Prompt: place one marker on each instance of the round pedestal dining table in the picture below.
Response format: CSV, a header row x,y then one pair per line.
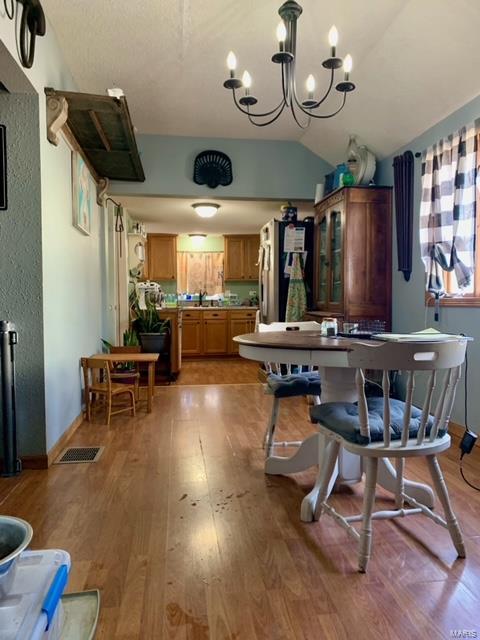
x,y
330,355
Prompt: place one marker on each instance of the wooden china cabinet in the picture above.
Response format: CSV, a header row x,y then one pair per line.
x,y
353,255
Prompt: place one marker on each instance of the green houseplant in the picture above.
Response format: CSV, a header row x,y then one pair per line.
x,y
153,332
130,339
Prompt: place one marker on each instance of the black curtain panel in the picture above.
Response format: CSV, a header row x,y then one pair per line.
x,y
403,188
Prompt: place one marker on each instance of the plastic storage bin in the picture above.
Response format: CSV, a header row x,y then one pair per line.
x,y
32,610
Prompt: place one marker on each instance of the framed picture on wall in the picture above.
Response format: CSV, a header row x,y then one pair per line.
x,y
3,167
83,195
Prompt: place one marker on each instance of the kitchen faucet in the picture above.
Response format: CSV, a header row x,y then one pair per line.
x,y
200,297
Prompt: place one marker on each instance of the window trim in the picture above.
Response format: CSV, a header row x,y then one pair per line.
x,y
473,299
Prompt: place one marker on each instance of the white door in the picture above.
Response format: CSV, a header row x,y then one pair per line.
x,y
110,276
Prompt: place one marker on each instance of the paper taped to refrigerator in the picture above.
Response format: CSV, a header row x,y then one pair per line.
x,y
294,239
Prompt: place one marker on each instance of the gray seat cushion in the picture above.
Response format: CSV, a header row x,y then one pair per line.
x,y
304,383
313,379
342,418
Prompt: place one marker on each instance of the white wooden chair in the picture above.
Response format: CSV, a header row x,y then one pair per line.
x,y
385,428
291,384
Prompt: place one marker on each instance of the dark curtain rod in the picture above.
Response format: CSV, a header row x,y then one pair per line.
x,y
418,154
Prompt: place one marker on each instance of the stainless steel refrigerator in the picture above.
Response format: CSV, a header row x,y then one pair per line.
x,y
273,281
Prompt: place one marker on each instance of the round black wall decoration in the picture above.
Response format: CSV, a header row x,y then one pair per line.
x,y
212,168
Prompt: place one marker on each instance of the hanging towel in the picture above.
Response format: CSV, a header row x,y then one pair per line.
x,y
297,295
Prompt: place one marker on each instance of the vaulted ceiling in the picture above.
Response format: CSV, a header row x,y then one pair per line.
x,y
415,61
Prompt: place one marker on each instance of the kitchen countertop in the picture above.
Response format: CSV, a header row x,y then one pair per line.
x,y
224,308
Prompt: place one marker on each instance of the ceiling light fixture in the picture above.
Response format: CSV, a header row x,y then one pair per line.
x,y
197,238
289,12
206,209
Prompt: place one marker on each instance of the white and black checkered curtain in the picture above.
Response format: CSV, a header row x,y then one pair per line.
x,y
447,210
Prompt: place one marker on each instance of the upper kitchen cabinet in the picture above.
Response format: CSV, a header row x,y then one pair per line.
x,y
241,256
161,256
353,254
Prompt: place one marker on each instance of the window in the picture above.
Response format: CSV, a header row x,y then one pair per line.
x,y
200,271
468,296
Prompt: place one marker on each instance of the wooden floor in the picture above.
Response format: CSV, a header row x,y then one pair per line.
x,y
220,371
187,538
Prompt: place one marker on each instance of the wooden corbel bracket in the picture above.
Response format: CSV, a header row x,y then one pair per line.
x,y
102,186
57,114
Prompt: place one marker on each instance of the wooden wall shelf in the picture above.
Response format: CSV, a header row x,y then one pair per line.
x,y
103,129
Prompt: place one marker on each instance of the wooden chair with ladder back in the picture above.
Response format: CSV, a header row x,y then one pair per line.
x,y
124,375
98,382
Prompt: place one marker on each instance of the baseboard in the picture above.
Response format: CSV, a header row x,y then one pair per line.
x,y
63,440
44,460
456,430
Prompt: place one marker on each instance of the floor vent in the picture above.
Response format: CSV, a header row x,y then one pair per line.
x,y
74,455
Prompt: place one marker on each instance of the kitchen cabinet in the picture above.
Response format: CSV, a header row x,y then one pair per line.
x,y
209,332
234,258
161,256
241,256
252,244
215,332
242,321
353,255
192,333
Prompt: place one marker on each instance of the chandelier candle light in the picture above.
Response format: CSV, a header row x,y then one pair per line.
x,y
289,12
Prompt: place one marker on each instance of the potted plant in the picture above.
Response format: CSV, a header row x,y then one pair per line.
x,y
152,332
130,339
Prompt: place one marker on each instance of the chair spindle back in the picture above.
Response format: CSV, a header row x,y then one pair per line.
x,y
410,358
276,367
96,370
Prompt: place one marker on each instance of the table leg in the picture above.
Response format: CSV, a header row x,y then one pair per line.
x,y
151,385
309,503
305,456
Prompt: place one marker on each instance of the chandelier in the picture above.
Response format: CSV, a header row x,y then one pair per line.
x,y
289,12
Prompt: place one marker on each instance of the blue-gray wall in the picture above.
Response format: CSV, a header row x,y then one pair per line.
x,y
408,297
21,299
64,292
261,168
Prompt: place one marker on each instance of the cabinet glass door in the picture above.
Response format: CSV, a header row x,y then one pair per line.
x,y
323,261
336,288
